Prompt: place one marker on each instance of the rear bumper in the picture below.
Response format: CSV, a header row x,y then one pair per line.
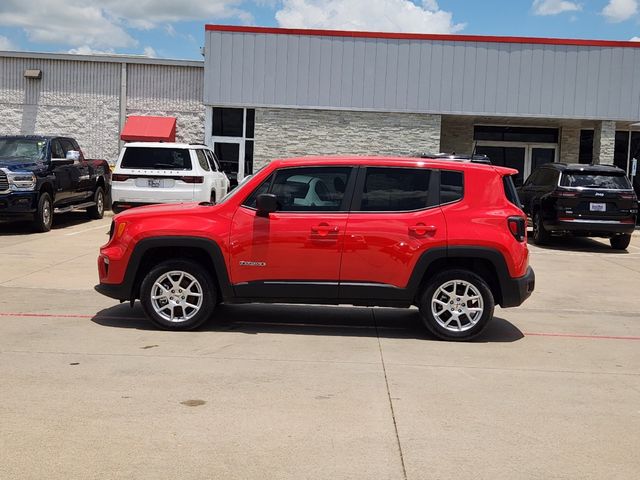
x,y
516,290
592,228
18,204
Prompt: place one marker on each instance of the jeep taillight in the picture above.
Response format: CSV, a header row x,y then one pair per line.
x,y
192,179
518,228
119,177
628,196
565,194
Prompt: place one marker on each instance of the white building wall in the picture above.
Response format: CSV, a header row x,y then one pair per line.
x,y
80,96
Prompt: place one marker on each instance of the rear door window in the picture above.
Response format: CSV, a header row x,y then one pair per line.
x,y
609,181
154,158
388,189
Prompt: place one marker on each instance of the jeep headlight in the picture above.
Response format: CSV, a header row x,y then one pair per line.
x,y
21,181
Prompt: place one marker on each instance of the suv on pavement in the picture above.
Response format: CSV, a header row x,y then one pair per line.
x,y
446,236
581,200
148,172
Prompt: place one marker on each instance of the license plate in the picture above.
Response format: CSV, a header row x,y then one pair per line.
x,y
155,182
598,207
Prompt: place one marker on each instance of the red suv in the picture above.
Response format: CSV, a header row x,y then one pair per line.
x,y
446,236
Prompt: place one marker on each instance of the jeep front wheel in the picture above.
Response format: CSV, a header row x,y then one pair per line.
x,y
456,305
178,295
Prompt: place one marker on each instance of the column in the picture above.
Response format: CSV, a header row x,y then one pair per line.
x,y
604,142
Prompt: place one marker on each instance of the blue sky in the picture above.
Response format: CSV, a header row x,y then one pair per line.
x,y
175,29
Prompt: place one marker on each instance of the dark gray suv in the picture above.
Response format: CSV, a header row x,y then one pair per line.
x,y
581,200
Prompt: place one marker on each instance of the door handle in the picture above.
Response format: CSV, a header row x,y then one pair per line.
x,y
324,229
421,229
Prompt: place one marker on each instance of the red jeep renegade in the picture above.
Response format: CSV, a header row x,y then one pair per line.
x,y
447,236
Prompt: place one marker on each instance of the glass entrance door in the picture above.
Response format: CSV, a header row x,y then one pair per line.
x,y
512,157
522,156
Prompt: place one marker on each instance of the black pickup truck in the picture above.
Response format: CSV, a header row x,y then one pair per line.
x,y
43,175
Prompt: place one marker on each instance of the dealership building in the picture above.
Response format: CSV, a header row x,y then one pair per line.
x,y
264,93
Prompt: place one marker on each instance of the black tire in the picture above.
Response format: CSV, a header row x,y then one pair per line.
x,y
620,242
468,325
43,218
97,211
190,319
540,235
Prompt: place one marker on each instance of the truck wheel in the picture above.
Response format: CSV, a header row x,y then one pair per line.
x,y
620,242
178,295
540,235
456,305
44,216
97,211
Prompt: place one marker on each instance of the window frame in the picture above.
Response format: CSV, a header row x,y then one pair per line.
x,y
346,199
433,195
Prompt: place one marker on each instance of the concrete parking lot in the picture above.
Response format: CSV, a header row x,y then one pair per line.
x,y
88,389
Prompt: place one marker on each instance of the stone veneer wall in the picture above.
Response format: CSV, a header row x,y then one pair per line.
x,y
604,142
457,135
282,132
569,144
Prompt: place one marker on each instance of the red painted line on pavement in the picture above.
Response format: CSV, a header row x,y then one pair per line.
x,y
526,334
577,335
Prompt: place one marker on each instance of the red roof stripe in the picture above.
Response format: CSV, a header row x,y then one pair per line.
x,y
423,36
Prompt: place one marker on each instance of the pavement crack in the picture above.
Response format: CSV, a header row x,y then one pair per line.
x,y
393,414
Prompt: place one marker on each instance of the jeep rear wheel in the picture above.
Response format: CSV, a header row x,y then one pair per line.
x,y
456,305
540,234
620,242
44,215
178,295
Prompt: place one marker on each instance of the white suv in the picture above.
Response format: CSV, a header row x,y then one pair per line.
x,y
149,172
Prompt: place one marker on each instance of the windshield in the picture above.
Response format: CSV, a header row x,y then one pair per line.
x,y
609,181
23,148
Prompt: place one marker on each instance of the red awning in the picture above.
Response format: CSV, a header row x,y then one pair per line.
x,y
149,129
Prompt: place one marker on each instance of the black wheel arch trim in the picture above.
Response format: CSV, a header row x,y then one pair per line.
x,y
128,288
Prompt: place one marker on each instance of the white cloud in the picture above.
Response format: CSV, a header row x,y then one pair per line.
x,y
6,44
381,15
87,50
620,10
554,7
107,23
634,39
149,52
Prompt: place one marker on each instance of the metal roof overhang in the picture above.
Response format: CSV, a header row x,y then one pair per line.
x,y
149,129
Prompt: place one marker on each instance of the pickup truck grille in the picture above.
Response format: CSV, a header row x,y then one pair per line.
x,y
4,183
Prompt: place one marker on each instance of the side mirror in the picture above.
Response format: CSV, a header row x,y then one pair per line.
x,y
266,203
73,155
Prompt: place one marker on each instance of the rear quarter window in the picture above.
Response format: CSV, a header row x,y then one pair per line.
x,y
451,186
151,158
510,190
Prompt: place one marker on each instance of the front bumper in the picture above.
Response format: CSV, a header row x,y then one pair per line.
x,y
590,228
516,290
117,291
17,204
